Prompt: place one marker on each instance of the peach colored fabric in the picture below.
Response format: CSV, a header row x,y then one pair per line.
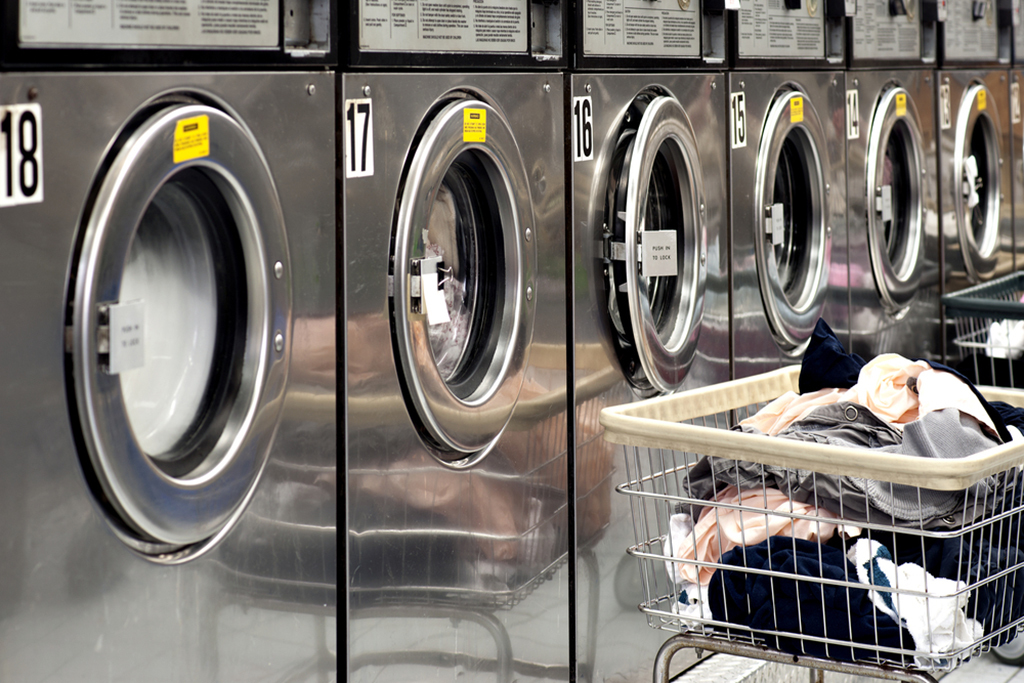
x,y
894,388
789,408
719,530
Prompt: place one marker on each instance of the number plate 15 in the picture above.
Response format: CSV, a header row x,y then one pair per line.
x,y
21,154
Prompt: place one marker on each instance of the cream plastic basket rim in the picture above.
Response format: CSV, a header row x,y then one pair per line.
x,y
655,423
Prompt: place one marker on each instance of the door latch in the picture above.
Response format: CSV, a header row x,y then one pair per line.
x,y
883,202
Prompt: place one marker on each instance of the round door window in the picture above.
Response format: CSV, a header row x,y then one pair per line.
x,y
178,306
976,166
793,252
462,289
656,243
895,201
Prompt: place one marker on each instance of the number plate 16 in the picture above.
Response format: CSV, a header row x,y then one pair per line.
x,y
21,154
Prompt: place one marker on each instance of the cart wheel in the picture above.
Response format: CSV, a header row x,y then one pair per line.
x,y
1011,653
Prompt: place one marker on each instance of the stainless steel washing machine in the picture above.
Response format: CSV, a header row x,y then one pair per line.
x,y
893,220
455,376
975,187
168,480
892,183
787,193
650,309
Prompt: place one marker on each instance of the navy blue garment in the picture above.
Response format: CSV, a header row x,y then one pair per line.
x,y
805,607
826,365
975,558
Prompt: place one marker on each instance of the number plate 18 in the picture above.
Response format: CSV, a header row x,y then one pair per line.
x,y
21,154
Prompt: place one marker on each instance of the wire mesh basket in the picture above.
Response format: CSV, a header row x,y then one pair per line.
x,y
870,557
988,330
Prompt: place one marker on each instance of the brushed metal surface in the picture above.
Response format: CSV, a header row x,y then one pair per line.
x,y
915,331
76,603
614,642
454,572
754,347
955,275
1017,156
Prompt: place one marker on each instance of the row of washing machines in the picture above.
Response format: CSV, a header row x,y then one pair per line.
x,y
676,208
244,243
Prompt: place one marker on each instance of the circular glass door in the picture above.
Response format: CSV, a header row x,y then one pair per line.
x,y
895,203
977,170
462,271
793,251
656,240
178,309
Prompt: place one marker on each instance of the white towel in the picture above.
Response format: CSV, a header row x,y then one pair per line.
x,y
937,621
1005,339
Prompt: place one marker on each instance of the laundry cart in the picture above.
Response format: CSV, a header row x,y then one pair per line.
x,y
806,551
988,324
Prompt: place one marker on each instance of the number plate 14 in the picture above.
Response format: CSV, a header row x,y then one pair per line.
x,y
21,154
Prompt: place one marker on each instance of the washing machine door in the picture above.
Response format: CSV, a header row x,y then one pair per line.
x,y
656,241
793,247
462,272
895,167
176,338
976,168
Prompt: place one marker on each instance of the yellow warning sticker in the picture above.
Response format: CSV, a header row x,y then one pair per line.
x,y
796,110
981,100
192,138
901,104
474,125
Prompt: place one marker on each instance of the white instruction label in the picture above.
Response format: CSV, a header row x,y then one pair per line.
x,y
852,115
653,28
659,253
149,23
778,226
434,301
127,330
768,30
358,138
436,25
877,34
21,154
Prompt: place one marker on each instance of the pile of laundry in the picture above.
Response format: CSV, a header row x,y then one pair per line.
x,y
816,564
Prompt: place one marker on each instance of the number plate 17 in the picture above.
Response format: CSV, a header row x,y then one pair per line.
x,y
21,154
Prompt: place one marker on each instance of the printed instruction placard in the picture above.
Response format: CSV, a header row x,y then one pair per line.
x,y
149,23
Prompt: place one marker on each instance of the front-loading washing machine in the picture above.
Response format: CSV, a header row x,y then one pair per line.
x,y
787,194
892,183
170,267
974,152
456,442
650,311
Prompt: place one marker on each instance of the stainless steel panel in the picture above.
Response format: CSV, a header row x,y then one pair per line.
x,y
614,641
880,35
754,348
1017,156
454,572
914,332
972,32
77,604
